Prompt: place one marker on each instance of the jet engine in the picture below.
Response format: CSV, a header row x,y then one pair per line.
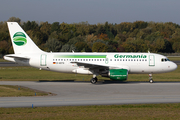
x,y
116,74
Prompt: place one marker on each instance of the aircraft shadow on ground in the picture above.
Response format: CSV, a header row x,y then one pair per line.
x,y
133,82
56,80
101,81
74,81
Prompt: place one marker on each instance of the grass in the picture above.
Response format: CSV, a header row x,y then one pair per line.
x,y
16,91
33,74
174,58
2,60
133,112
107,112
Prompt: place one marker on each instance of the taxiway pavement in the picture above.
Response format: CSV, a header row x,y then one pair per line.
x,y
103,93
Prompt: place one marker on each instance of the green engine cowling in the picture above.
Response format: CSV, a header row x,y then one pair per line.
x,y
118,74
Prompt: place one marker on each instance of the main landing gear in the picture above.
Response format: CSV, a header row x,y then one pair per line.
x,y
94,80
150,78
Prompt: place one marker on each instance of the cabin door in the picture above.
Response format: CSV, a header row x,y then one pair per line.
x,y
43,60
151,60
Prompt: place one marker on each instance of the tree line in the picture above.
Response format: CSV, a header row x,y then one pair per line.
x,y
138,36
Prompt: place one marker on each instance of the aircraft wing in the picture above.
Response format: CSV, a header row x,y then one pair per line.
x,y
101,66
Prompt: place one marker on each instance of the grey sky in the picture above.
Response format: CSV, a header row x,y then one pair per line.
x,y
93,11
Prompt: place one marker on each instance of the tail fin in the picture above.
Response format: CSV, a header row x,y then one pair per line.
x,y
21,42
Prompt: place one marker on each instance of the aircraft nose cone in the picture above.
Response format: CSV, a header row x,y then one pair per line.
x,y
173,66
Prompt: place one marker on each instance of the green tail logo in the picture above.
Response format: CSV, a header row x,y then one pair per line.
x,y
19,39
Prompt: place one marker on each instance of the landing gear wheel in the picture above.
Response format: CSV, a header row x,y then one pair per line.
x,y
150,78
151,81
94,80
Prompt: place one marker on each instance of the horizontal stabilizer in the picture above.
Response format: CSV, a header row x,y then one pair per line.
x,y
15,57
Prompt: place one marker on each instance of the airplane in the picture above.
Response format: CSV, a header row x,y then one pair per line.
x,y
115,66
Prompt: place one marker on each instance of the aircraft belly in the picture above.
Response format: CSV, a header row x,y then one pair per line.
x,y
66,68
58,68
70,68
140,69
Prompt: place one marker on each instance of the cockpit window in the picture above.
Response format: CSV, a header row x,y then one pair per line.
x,y
164,59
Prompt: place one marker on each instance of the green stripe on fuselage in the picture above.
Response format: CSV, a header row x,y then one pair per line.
x,y
80,56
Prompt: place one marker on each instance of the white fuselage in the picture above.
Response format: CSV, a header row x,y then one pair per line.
x,y
135,63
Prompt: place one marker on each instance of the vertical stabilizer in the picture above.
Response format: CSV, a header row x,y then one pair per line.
x,y
21,42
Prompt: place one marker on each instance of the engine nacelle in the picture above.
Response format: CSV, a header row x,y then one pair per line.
x,y
116,74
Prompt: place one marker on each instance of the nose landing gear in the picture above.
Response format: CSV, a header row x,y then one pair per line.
x,y
150,78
